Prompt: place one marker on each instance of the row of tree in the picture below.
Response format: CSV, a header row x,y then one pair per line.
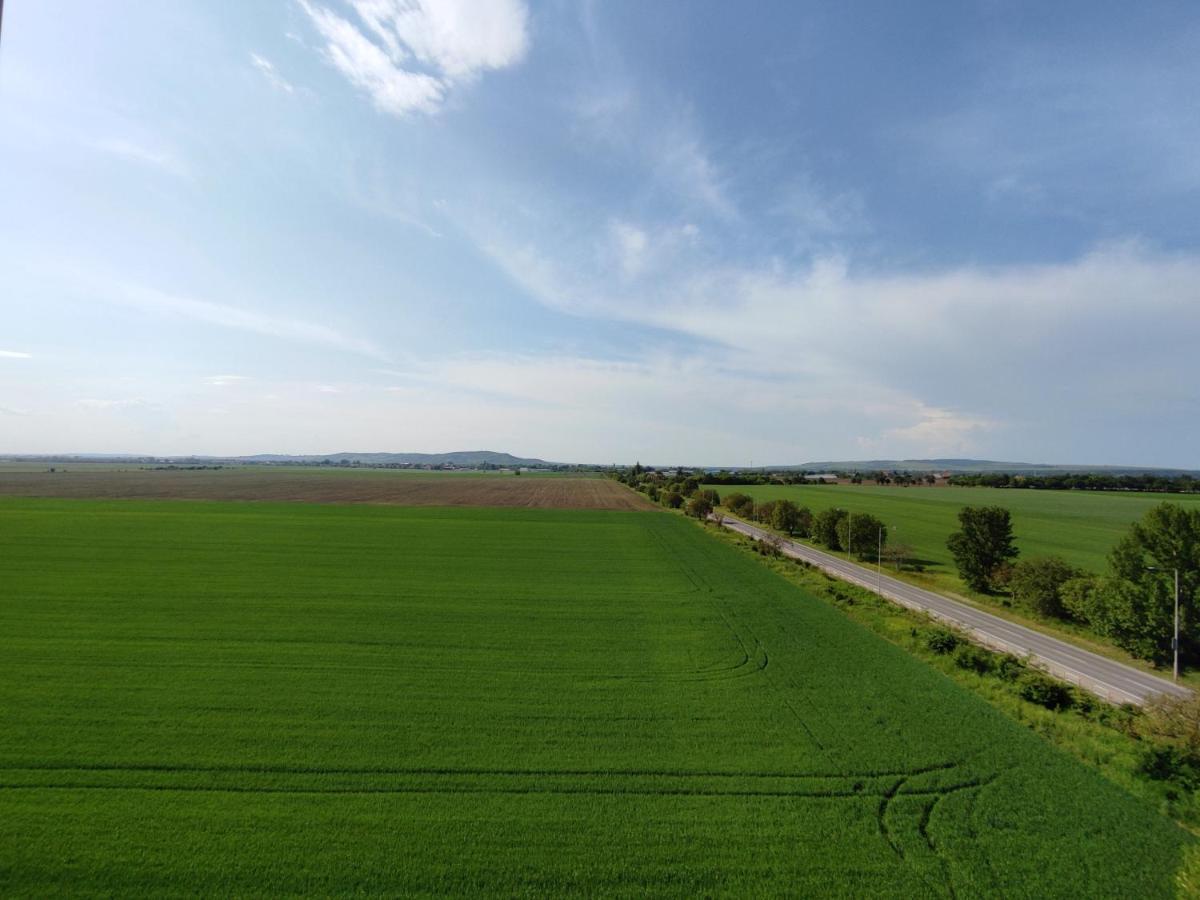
x,y
837,529
1087,481
1132,603
679,489
904,479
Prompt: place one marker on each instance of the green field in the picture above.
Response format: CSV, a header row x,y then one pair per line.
x,y
265,699
1080,526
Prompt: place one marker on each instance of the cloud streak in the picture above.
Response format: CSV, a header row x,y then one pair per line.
x,y
269,72
232,317
136,152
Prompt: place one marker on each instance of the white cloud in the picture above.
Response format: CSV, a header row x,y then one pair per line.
x,y
630,244
224,380
815,212
457,37
142,154
119,405
964,355
267,68
714,407
246,320
938,432
681,159
14,354
419,50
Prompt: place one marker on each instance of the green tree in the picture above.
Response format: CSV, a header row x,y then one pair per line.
x,y
825,527
804,521
785,517
739,504
1038,584
865,536
984,543
699,507
1136,604
764,511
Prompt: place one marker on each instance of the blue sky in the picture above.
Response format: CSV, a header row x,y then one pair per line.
x,y
676,232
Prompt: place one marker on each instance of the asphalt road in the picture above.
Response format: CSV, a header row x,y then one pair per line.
x,y
1110,680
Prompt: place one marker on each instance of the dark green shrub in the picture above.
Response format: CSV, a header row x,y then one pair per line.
x,y
1168,763
1010,668
1037,688
974,659
942,641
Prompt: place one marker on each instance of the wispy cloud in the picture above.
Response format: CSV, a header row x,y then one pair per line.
x,y
268,70
122,404
246,320
14,354
937,432
224,380
682,159
142,154
412,54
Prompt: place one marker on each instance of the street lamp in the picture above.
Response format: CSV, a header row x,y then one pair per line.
x,y
1175,639
879,561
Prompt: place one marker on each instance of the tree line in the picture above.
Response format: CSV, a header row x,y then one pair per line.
x,y
1087,481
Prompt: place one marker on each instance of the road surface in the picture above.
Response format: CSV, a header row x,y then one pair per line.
x,y
1113,681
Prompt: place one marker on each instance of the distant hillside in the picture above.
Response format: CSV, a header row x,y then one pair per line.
x,y
969,465
466,458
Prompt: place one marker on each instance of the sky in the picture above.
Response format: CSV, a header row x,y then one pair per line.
x,y
675,232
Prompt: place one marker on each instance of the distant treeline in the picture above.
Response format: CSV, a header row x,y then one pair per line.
x,y
764,477
792,477
1089,481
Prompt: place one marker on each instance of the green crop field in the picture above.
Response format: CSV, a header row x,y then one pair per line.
x,y
265,699
1080,526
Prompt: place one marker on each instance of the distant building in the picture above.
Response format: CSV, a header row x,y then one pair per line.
x,y
823,478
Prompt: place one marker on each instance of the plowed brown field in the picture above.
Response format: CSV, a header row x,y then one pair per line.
x,y
324,486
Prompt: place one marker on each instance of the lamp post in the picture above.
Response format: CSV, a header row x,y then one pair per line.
x,y
1175,637
879,562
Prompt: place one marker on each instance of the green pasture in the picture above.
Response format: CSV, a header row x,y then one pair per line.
x,y
245,699
1080,526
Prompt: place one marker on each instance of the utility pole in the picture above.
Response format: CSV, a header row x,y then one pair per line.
x,y
1175,636
849,533
1175,641
879,564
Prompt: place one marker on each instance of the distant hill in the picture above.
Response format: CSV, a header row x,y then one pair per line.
x,y
969,465
466,458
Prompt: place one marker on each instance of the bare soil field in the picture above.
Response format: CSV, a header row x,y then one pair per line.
x,y
323,486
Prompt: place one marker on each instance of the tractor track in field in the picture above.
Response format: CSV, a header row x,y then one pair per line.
x,y
467,771
581,781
